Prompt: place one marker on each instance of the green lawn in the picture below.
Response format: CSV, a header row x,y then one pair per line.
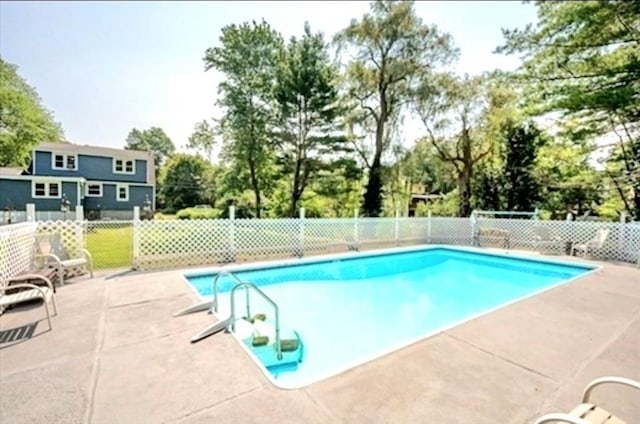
x,y
111,247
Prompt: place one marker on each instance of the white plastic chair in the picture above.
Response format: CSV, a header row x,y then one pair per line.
x,y
50,249
543,237
32,292
595,243
589,413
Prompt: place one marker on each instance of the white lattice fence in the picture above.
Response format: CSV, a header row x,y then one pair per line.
x,y
622,243
17,243
376,230
110,243
413,230
253,238
320,234
165,244
455,231
71,234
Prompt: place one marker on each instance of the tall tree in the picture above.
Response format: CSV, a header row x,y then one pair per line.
x,y
583,59
152,140
307,110
452,110
185,181
522,188
569,181
248,57
392,48
203,138
24,121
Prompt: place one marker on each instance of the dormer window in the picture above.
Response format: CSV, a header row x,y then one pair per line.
x,y
124,166
64,162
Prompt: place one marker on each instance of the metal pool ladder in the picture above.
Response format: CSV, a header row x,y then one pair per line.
x,y
228,324
232,318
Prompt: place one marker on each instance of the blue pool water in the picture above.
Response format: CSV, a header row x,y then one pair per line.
x,y
351,310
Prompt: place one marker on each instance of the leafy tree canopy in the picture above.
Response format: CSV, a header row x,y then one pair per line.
x,y
153,140
24,121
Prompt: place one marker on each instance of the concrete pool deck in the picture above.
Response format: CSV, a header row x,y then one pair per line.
x,y
116,355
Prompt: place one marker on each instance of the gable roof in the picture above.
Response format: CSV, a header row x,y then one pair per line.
x,y
94,150
10,171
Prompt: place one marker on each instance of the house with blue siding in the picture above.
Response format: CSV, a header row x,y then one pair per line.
x,y
106,181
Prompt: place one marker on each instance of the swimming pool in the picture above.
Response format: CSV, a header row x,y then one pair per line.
x,y
349,309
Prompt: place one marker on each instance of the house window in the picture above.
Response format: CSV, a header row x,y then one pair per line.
x,y
121,166
40,190
93,190
45,189
65,162
122,193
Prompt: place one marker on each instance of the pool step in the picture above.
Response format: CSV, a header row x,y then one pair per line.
x,y
291,345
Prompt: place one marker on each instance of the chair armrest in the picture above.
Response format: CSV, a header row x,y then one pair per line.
x,y
604,380
566,418
33,277
87,255
50,255
25,285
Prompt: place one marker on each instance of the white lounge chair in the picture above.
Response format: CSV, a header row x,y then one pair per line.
x,y
595,243
51,251
589,413
31,292
544,238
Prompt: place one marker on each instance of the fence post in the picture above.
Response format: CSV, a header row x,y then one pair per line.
x,y
356,215
622,237
397,230
136,237
230,254
472,220
429,226
79,229
31,212
300,250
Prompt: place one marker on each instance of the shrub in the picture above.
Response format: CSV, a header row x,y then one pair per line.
x,y
198,213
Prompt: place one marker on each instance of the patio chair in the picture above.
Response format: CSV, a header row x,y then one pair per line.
x,y
25,292
595,243
51,251
589,413
543,237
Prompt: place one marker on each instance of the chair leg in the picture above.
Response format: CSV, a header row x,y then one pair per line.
x,y
55,307
61,275
46,308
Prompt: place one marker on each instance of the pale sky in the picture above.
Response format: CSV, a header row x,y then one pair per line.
x,y
105,68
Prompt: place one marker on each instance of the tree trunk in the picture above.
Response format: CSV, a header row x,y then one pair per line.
x,y
464,179
635,174
373,196
255,185
636,200
298,180
464,191
296,192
